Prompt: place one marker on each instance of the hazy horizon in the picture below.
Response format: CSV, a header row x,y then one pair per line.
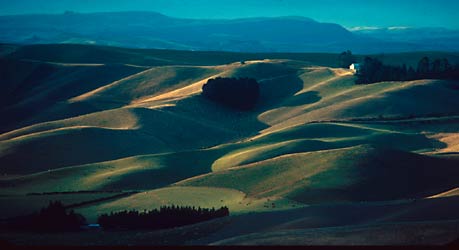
x,y
353,13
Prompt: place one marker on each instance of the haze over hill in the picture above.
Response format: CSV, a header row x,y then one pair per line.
x,y
154,30
432,38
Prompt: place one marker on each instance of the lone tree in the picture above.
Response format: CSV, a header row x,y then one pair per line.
x,y
239,93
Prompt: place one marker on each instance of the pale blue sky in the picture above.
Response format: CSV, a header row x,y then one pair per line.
x,y
351,13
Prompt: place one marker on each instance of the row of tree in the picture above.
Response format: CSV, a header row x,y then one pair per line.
x,y
238,93
372,70
165,217
56,217
437,69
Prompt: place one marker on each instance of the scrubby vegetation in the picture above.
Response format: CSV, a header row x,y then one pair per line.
x,y
54,217
165,217
239,93
372,70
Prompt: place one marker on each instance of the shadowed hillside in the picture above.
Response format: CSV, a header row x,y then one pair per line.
x,y
33,89
351,174
314,146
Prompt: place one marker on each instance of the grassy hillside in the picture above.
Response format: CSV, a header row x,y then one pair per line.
x,y
79,145
237,201
137,172
350,174
79,122
33,91
279,124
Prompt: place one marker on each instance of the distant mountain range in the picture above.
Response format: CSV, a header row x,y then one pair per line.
x,y
427,38
280,34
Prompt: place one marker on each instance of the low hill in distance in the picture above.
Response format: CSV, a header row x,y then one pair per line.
x,y
154,30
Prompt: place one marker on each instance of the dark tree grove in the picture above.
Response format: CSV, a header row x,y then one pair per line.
x,y
346,59
239,93
372,70
54,217
165,217
423,67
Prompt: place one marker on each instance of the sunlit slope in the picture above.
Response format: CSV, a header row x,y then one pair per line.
x,y
236,201
126,132
349,174
110,119
450,138
277,78
160,111
125,174
313,140
319,136
32,90
394,100
316,83
441,130
102,136
152,82
341,99
139,172
157,131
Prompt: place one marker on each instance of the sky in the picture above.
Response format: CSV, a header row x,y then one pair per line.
x,y
350,13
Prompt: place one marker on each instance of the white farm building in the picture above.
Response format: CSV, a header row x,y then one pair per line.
x,y
355,67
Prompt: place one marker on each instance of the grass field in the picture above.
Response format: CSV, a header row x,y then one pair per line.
x,y
113,119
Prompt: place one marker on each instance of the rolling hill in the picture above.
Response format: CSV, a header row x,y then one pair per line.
x,y
318,156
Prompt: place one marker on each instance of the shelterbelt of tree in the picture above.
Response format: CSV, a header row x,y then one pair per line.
x,y
372,71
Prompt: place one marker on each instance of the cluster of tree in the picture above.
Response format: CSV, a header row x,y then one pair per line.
x,y
437,69
372,70
239,93
54,217
165,217
346,59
